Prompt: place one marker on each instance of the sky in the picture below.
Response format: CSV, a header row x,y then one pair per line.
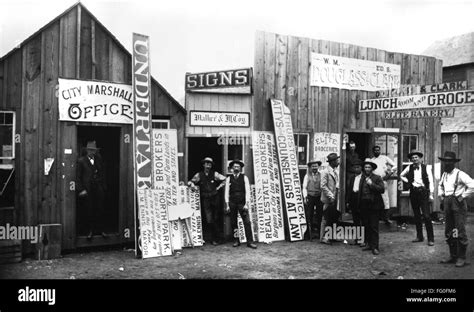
x,y
206,35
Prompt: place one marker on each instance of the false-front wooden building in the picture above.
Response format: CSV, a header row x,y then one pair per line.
x,y
75,47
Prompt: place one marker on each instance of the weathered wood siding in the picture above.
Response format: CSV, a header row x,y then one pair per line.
x,y
74,45
281,70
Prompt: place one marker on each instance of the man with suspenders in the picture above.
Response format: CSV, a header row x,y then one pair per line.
x,y
453,189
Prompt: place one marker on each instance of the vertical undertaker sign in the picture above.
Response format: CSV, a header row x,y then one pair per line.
x,y
290,176
142,121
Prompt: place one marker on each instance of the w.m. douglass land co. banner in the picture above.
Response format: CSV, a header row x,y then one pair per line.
x,y
142,120
289,173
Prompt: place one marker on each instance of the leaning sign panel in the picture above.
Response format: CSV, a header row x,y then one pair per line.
x,y
290,176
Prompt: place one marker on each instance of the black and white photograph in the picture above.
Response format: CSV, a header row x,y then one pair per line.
x,y
314,141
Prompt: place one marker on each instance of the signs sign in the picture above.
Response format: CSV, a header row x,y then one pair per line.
x,y
267,188
420,101
94,101
219,119
142,120
352,74
238,81
325,144
290,176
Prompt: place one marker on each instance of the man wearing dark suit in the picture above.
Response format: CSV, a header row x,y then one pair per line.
x,y
371,203
91,188
353,193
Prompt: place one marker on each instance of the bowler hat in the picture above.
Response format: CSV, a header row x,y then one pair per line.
x,y
207,159
314,162
415,152
332,156
91,145
370,162
236,161
449,156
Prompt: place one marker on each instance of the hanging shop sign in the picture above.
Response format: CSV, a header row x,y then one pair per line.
x,y
236,81
419,113
94,101
267,187
352,74
290,177
419,101
325,144
141,86
219,119
422,89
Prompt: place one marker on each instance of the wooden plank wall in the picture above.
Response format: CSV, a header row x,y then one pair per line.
x,y
281,70
75,46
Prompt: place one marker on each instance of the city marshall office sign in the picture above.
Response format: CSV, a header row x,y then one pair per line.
x,y
219,119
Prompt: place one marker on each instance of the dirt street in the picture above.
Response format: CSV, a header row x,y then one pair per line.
x,y
399,258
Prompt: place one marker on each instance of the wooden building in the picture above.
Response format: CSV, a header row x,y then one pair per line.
x,y
75,45
282,71
457,133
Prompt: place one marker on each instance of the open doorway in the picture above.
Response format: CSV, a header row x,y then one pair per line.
x,y
108,143
198,149
362,142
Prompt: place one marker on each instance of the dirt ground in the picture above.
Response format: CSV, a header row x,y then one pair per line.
x,y
399,258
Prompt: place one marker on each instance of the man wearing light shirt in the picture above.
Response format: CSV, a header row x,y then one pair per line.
x,y
421,185
453,189
385,168
237,200
312,196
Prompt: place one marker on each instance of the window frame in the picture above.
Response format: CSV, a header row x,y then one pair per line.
x,y
13,134
162,120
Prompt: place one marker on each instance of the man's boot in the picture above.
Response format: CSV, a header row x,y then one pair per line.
x,y
452,254
461,255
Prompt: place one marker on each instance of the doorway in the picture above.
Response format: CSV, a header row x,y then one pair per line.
x,y
108,141
198,149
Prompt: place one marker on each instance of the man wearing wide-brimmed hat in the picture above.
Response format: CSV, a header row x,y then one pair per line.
x,y
453,189
420,181
90,185
209,182
371,203
329,193
312,197
237,201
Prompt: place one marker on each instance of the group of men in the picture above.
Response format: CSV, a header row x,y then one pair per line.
x,y
365,199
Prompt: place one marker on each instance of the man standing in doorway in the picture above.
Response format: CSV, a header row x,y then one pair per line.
x,y
209,182
329,193
312,197
353,194
420,181
237,200
385,168
91,187
351,157
453,189
371,187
